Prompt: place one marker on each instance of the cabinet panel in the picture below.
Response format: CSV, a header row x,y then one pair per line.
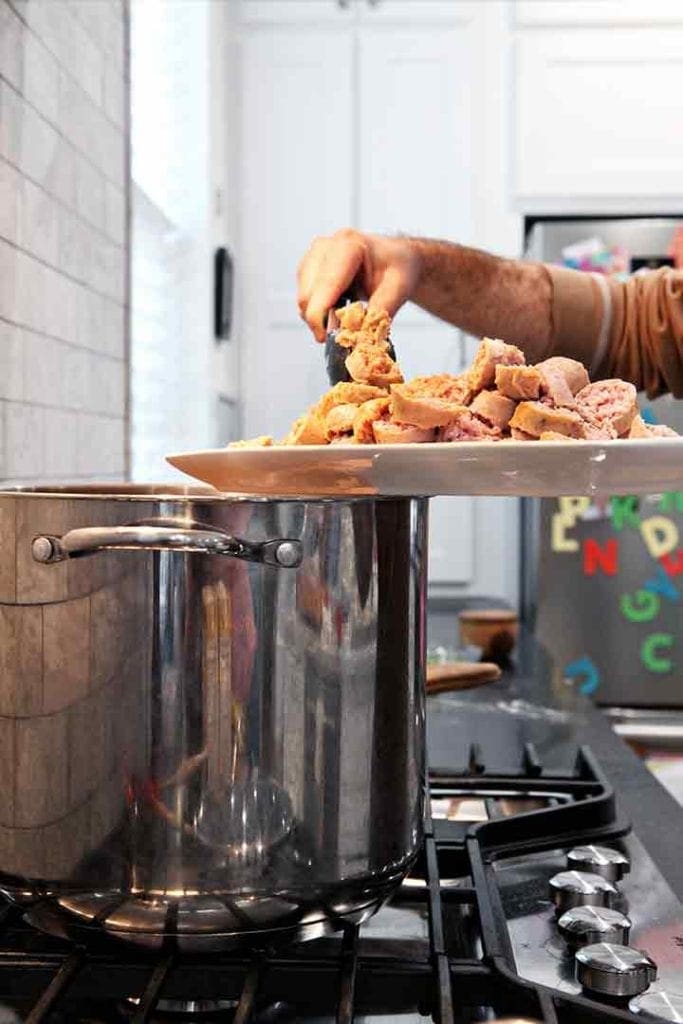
x,y
295,184
599,113
583,13
451,542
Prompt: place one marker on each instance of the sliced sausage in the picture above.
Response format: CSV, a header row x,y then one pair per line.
x,y
372,365
609,401
387,432
519,382
493,407
492,352
536,418
465,426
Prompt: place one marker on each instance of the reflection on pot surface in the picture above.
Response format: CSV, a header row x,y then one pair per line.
x,y
211,711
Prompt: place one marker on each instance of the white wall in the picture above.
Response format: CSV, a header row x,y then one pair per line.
x,y
174,386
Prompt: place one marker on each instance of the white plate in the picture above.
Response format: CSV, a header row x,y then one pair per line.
x,y
543,468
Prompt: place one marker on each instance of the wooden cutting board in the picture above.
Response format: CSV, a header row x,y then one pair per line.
x,y
460,675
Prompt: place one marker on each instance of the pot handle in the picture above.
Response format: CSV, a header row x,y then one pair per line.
x,y
285,553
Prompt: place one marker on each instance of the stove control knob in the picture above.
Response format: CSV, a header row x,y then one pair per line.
x,y
658,1006
611,970
582,926
601,860
579,889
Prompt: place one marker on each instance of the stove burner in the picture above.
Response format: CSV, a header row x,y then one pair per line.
x,y
613,970
584,926
176,1010
581,889
658,1006
454,963
600,860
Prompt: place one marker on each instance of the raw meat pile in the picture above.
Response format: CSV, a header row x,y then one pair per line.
x,y
499,398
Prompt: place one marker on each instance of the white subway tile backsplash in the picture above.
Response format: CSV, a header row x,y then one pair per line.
x,y
60,180
10,190
115,213
41,77
63,370
38,222
52,22
61,439
113,329
75,378
11,362
87,68
114,93
30,289
24,441
8,281
90,192
40,369
11,44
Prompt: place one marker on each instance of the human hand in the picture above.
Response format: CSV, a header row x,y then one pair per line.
x,y
385,269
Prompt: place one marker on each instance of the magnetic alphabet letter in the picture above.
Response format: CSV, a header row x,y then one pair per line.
x,y
651,645
660,535
606,558
642,607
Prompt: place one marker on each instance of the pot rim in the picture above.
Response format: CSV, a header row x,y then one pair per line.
x,y
135,492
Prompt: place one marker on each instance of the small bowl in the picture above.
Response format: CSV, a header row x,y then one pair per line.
x,y
494,630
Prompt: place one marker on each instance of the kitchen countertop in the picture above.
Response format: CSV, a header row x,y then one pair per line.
x,y
531,703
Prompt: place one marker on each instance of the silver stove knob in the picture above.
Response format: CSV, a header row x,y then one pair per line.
x,y
658,1006
583,926
579,889
601,860
612,970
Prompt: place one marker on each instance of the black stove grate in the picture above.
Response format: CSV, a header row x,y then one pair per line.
x,y
465,974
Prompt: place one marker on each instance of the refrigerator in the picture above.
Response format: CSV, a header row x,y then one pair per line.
x,y
602,581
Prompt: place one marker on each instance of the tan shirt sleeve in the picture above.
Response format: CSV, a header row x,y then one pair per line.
x,y
629,329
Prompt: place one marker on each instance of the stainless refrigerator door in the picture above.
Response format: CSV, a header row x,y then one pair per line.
x,y
578,616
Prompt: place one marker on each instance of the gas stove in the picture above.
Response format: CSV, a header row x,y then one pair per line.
x,y
486,927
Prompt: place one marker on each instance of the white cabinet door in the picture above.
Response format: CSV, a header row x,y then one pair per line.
x,y
414,175
296,174
583,13
576,133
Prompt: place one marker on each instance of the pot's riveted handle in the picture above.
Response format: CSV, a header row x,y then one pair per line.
x,y
285,553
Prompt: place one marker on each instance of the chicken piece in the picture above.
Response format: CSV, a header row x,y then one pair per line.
x,y
465,426
521,435
493,407
536,418
609,401
372,365
492,353
387,432
308,429
347,393
339,421
351,317
430,401
263,441
562,378
376,325
359,326
639,428
518,382
552,435
366,415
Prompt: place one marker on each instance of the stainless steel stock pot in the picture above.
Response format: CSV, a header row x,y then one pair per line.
x,y
211,710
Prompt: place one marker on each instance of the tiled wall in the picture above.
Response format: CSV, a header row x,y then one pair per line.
x,y
63,239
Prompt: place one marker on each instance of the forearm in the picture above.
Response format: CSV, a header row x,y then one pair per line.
x,y
486,295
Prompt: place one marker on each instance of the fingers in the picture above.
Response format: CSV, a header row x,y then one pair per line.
x,y
326,271
391,292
